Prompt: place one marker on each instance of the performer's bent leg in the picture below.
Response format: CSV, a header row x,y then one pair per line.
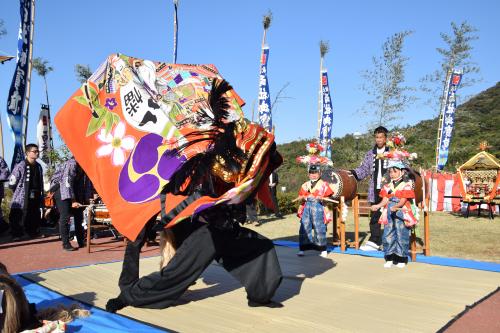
x,y
161,289
130,267
252,260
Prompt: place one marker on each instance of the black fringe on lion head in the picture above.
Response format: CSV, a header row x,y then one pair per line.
x,y
222,143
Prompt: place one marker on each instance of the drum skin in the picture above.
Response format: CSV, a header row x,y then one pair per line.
x,y
344,184
101,212
417,179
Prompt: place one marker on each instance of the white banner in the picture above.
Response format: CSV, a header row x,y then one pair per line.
x,y
43,134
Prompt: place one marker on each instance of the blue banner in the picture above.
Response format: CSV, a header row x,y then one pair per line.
x,y
18,88
265,115
325,130
448,123
175,31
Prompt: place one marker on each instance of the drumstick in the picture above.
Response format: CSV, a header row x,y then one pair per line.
x,y
329,200
324,199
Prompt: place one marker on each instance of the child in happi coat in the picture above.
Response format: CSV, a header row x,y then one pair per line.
x,y
314,215
397,215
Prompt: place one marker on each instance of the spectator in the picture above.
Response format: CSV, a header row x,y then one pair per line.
x,y
26,180
251,210
72,189
273,185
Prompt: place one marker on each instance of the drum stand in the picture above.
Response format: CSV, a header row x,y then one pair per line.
x,y
339,219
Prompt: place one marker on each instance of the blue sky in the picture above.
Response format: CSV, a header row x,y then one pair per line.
x,y
228,34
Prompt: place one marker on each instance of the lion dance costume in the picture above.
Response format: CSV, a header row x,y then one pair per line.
x,y
156,137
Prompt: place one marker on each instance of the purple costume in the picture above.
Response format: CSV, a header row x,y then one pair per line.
x,y
64,177
4,176
371,167
70,184
367,168
17,183
27,183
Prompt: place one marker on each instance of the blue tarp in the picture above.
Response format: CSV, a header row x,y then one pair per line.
x,y
99,320
442,261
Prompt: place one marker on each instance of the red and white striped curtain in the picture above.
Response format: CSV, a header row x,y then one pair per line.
x,y
445,184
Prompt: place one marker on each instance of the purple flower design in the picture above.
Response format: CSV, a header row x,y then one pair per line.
x,y
111,103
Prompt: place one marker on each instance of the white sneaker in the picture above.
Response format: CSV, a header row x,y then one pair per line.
x,y
388,264
300,253
323,254
401,265
369,246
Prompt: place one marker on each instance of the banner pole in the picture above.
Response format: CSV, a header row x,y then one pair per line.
x,y
320,98
28,76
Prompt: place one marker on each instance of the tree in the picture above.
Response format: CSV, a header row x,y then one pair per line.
x,y
266,22
42,68
57,156
279,98
82,72
456,54
385,82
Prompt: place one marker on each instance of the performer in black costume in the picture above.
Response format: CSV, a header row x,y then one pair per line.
x,y
215,233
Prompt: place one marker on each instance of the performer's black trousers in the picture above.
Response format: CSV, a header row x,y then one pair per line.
x,y
28,219
274,197
130,267
375,227
65,212
248,256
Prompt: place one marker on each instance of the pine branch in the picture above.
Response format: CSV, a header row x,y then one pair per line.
x,y
267,19
324,47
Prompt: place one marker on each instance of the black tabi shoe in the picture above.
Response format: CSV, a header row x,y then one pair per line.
x,y
269,304
115,304
68,247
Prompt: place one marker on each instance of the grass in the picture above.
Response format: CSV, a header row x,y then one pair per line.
x,y
451,235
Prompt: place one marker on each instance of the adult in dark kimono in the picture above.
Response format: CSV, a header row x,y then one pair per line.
x,y
26,180
4,177
273,187
72,189
374,166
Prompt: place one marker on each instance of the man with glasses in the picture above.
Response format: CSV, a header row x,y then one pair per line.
x,y
26,180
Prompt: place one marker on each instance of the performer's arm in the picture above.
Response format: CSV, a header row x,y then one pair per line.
x,y
382,203
399,205
15,176
365,168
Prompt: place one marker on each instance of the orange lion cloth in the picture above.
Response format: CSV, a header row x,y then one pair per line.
x,y
135,123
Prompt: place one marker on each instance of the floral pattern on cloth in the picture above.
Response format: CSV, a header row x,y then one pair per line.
x,y
320,190
125,124
57,326
394,193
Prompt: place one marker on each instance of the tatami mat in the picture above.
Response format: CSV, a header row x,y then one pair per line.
x,y
355,295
